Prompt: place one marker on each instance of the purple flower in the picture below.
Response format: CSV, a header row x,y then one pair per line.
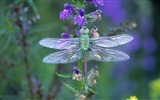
x,y
78,33
149,63
96,2
80,18
134,45
65,14
146,24
123,88
115,11
96,14
65,35
88,0
149,45
75,70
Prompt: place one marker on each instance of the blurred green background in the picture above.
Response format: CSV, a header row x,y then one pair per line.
x,y
23,74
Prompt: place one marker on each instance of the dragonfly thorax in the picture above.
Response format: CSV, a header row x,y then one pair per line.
x,y
84,40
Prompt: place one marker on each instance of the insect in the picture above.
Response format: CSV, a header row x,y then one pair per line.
x,y
95,48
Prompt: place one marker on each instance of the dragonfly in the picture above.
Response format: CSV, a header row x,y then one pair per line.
x,y
95,48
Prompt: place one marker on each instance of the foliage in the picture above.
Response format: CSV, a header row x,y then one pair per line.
x,y
139,76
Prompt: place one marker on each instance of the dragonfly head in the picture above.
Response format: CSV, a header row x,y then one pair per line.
x,y
84,30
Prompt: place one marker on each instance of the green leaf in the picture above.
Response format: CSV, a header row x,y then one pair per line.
x,y
7,43
70,87
64,75
31,3
41,28
91,90
80,64
2,31
9,25
80,3
80,86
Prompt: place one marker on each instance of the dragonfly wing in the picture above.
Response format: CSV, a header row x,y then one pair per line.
x,y
122,38
107,55
58,43
111,41
62,57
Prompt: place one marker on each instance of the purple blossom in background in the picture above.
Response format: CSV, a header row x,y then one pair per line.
x,y
65,14
80,18
118,73
134,45
149,45
115,11
148,63
122,69
146,25
96,2
65,35
123,88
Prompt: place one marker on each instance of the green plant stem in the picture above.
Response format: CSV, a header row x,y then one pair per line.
x,y
26,64
39,92
25,53
85,70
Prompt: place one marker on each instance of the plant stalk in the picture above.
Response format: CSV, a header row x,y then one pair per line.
x,y
85,71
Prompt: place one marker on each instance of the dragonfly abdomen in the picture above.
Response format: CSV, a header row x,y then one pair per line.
x,y
84,41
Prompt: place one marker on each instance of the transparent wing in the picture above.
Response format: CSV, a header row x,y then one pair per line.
x,y
62,57
111,41
107,55
57,43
